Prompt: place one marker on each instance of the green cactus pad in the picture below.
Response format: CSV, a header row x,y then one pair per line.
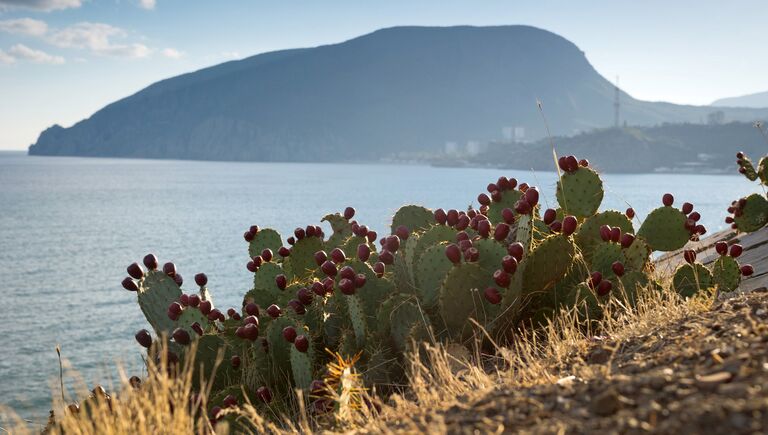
x,y
430,272
279,349
547,264
265,238
461,297
508,200
358,318
341,228
302,258
427,239
383,369
301,366
754,214
265,291
156,292
580,193
350,246
632,283
375,291
189,316
636,257
396,317
749,168
491,253
604,255
588,236
414,217
726,273
403,275
692,279
664,229
208,349
336,320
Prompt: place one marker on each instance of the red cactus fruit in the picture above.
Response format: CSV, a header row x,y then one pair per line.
x,y
338,256
484,228
347,272
516,250
562,164
274,311
721,247
463,223
569,225
523,207
736,250
360,280
175,308
297,307
284,252
689,255
197,328
604,288
492,295
251,332
289,334
230,401
508,215
320,257
304,296
615,234
150,261
453,253
532,196
178,279
379,269
281,281
617,268
695,216
181,336
440,216
501,231
452,217
301,343
501,278
386,257
584,163
130,284
571,163
687,208
392,243
347,286
556,226
201,279
471,255
509,264
667,199
371,236
549,216
184,300
630,213
291,240
169,269
747,270
194,300
483,199
215,314
235,361
251,319
143,338
265,394
329,268
605,233
328,285
627,240
135,271
595,279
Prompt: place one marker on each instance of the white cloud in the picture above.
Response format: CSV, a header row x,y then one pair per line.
x,y
230,54
22,52
24,26
172,53
98,38
40,5
147,4
6,58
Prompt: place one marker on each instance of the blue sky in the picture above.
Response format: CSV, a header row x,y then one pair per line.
x,y
61,60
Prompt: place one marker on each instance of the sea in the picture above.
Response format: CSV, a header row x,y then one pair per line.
x,y
69,227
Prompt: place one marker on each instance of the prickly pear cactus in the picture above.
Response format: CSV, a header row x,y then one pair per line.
x,y
501,265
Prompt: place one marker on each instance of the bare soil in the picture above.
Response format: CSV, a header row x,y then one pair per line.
x,y
707,374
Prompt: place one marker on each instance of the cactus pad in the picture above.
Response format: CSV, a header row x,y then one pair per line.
x,y
588,235
726,274
547,264
754,214
301,366
664,229
636,256
430,237
604,256
302,258
358,318
749,168
461,298
691,279
430,271
580,193
414,217
156,292
266,238
508,200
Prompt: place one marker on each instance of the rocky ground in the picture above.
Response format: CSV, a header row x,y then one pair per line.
x,y
704,374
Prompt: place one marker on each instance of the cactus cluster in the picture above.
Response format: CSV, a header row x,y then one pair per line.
x,y
318,299
750,213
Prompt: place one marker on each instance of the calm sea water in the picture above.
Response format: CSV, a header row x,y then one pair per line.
x,y
70,226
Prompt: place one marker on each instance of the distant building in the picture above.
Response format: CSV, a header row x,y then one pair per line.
x,y
451,148
474,147
513,133
519,134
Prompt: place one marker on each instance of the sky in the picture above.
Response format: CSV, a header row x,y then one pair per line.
x,y
62,60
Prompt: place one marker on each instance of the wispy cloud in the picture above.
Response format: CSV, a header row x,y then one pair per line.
x,y
40,5
6,59
24,26
147,4
99,39
22,52
172,53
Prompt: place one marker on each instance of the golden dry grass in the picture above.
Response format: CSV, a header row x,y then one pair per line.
x,y
442,377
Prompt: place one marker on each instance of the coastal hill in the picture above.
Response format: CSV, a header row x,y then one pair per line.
x,y
401,89
756,100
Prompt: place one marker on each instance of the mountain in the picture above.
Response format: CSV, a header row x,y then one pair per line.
x,y
759,99
393,90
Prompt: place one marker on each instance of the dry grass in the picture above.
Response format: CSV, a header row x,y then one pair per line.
x,y
443,377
